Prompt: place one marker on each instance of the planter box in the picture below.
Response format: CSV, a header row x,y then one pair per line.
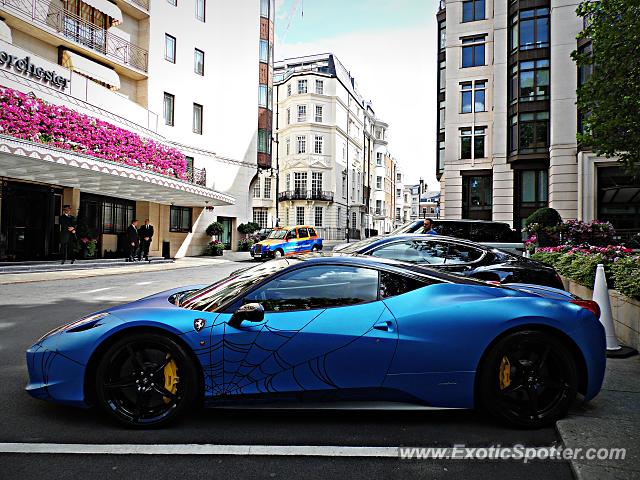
x,y
625,311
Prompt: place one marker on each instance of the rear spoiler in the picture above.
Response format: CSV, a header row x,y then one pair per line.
x,y
542,291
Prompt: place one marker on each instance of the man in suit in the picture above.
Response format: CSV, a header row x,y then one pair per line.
x,y
146,234
68,225
133,240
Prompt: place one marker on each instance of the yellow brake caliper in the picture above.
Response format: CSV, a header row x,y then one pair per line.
x,y
505,373
171,378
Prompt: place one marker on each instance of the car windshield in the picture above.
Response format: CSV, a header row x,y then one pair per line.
x,y
214,296
357,246
406,228
277,234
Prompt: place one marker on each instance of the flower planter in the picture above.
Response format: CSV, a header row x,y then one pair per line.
x,y
625,312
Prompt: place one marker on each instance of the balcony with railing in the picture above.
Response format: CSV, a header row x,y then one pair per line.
x,y
58,21
299,194
197,176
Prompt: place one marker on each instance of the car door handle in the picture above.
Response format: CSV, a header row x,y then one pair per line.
x,y
385,326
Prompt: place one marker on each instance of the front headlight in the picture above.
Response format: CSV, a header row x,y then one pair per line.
x,y
84,323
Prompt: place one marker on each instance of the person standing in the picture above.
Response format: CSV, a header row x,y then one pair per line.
x,y
68,226
145,234
133,240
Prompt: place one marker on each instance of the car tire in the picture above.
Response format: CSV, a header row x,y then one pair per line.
x,y
314,249
125,386
278,254
528,379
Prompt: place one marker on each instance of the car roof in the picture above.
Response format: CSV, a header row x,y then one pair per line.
x,y
295,226
461,220
328,258
424,236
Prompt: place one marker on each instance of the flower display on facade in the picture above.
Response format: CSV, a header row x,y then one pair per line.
x,y
29,118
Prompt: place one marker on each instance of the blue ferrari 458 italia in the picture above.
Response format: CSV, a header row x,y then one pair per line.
x,y
340,331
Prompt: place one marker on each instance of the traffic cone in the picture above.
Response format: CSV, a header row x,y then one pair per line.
x,y
601,297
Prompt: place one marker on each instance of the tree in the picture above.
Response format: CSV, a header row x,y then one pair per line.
x,y
214,229
610,98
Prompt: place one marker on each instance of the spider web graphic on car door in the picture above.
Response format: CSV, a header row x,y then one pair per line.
x,y
269,361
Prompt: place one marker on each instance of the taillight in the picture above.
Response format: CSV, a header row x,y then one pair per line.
x,y
590,305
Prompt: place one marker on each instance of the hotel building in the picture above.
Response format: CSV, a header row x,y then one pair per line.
x,y
161,69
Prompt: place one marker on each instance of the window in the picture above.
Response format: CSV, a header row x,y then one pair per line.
x,y
533,131
198,61
288,116
532,188
442,77
302,113
344,184
288,145
318,113
169,48
288,184
477,197
168,108
200,10
472,96
316,182
379,183
472,10
299,215
318,144
289,90
260,217
300,183
379,159
442,28
264,51
264,141
320,87
197,118
302,86
532,30
180,219
318,216
264,8
302,144
472,145
534,80
398,192
262,95
354,220
256,189
441,115
473,51
332,286
173,2
267,187
414,251
398,177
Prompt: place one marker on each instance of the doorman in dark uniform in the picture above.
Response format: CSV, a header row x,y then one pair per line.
x,y
146,234
133,240
68,225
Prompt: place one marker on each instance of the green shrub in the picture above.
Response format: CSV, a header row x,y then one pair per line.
x,y
626,276
215,229
544,217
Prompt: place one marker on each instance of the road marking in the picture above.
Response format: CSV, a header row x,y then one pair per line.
x,y
210,449
4,325
144,283
98,290
110,299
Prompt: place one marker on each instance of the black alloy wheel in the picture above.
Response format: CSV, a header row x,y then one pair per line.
x,y
529,378
146,379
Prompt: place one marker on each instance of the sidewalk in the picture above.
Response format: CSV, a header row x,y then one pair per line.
x,y
186,262
611,420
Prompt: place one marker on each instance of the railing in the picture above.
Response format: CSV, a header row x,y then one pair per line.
x,y
197,176
306,195
141,3
74,28
333,233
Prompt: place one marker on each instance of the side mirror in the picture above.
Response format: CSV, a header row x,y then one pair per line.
x,y
251,312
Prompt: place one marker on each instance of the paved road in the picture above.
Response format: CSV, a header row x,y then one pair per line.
x,y
28,310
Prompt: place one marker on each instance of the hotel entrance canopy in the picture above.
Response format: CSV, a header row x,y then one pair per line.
x,y
29,161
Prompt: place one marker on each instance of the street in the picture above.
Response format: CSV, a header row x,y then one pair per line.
x,y
31,309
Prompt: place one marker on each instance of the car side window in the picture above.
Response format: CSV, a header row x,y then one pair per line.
x,y
303,233
414,251
292,234
312,232
392,284
459,254
317,287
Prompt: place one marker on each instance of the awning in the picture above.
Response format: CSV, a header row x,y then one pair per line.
x,y
90,69
106,7
5,32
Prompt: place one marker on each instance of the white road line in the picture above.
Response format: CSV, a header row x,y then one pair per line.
x,y
98,290
111,299
144,283
209,449
4,325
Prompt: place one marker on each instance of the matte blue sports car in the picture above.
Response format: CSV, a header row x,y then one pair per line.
x,y
329,329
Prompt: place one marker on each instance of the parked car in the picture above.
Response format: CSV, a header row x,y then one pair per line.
x,y
492,234
309,328
458,256
287,241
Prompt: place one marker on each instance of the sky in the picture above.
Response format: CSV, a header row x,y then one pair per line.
x,y
390,48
